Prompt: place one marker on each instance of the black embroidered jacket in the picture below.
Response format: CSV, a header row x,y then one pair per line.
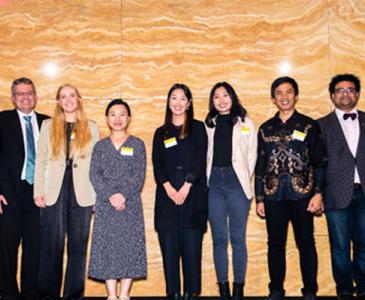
x,y
290,163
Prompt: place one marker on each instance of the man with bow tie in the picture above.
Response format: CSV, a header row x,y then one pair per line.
x,y
19,217
343,134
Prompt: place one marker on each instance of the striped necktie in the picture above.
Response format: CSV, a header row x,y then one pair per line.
x,y
29,167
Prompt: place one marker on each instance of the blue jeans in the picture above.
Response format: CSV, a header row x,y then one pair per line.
x,y
228,210
345,226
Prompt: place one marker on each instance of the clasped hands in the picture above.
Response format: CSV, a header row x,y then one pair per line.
x,y
178,197
117,201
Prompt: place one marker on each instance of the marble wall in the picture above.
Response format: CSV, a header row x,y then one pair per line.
x,y
137,49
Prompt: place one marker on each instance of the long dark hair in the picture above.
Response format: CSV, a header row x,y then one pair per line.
x,y
237,110
189,114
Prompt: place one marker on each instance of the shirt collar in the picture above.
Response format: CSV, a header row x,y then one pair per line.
x,y
292,117
339,113
21,114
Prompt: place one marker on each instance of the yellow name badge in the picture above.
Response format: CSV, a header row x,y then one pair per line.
x,y
170,142
73,135
245,130
298,135
126,151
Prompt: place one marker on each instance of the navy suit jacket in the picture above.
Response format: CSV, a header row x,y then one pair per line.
x,y
12,154
340,161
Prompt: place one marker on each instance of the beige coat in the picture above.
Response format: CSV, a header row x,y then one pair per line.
x,y
244,152
49,172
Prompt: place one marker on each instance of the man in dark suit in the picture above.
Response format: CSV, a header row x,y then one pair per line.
x,y
19,217
343,133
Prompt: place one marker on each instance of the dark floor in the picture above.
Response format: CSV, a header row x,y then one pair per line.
x,y
216,298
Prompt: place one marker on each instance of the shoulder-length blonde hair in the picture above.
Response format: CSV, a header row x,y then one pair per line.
x,y
81,130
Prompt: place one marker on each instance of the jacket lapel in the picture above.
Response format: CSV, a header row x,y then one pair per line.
x,y
338,132
17,130
362,133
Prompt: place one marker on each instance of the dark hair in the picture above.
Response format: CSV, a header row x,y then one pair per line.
x,y
344,77
21,80
281,80
117,102
189,114
237,110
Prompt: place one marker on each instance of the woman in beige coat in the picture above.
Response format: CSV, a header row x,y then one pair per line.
x,y
63,191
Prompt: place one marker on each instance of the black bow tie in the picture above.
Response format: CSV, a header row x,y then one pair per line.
x,y
353,116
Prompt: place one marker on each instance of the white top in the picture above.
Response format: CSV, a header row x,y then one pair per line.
x,y
351,130
35,135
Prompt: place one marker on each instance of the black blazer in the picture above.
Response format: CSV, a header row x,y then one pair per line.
x,y
12,154
186,160
340,161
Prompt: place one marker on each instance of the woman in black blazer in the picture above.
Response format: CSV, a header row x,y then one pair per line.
x,y
179,161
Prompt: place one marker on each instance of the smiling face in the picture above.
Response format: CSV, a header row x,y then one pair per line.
x,y
178,103
222,101
285,97
68,99
345,96
118,118
24,97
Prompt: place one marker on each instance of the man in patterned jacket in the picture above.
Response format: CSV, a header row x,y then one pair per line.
x,y
288,186
343,134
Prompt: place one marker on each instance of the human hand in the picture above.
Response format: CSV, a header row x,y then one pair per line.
x,y
260,209
40,202
117,201
2,202
171,192
315,205
183,193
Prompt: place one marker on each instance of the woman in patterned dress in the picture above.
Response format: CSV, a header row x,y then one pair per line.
x,y
117,171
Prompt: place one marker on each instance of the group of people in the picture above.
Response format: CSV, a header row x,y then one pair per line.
x,y
55,172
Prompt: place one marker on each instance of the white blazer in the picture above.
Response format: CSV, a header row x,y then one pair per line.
x,y
244,152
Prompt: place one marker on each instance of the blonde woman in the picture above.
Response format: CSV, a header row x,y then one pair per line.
x,y
63,191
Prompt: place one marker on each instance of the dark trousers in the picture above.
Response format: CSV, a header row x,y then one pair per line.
x,y
187,245
278,215
19,224
64,217
345,226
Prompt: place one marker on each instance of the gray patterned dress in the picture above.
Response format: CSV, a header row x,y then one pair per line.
x,y
118,248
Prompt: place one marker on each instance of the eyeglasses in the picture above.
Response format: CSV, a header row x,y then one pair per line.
x,y
22,94
341,91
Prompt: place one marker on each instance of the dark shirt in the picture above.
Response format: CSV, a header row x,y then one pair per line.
x,y
290,163
69,129
222,152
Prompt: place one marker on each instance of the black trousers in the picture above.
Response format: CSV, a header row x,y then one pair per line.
x,y
278,215
187,245
64,217
20,224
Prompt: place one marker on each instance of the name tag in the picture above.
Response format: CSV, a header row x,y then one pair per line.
x,y
298,135
126,151
170,142
245,130
72,135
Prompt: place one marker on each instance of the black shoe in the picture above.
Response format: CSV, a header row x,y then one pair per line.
x,y
175,296
237,293
345,296
309,296
276,295
224,290
188,296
